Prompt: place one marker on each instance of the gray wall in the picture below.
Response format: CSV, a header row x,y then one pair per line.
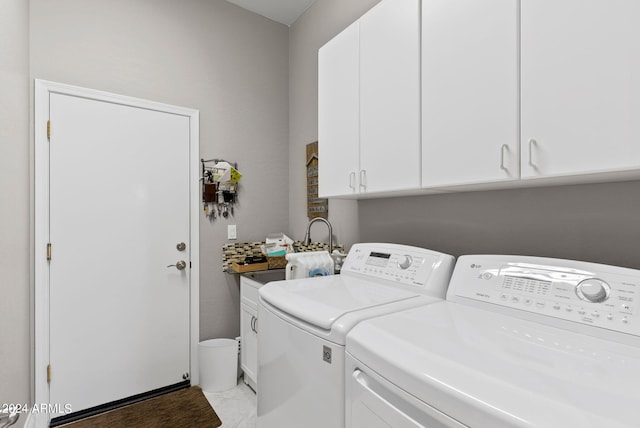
x,y
595,222
230,64
14,202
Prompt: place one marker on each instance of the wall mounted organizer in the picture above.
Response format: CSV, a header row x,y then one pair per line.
x,y
219,187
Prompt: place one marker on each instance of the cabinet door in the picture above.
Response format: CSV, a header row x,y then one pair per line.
x,y
469,92
580,86
390,96
338,114
249,343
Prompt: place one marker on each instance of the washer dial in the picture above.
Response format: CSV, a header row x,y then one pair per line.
x,y
593,290
405,261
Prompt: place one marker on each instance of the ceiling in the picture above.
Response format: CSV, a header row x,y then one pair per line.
x,y
283,11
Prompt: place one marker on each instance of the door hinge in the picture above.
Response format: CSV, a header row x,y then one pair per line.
x,y
49,373
49,251
49,130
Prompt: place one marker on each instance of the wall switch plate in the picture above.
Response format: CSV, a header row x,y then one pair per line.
x,y
231,232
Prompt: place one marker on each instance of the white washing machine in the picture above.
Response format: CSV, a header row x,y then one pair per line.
x,y
303,324
519,342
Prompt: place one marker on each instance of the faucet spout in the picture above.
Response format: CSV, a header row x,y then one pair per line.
x,y
307,236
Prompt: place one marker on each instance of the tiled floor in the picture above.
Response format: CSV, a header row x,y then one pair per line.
x,y
235,407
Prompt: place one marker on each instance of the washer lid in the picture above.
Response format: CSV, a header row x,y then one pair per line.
x,y
488,369
321,301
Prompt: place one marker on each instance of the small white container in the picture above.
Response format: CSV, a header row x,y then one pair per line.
x,y
218,359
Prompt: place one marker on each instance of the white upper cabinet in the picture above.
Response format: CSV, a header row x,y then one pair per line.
x,y
470,105
580,86
369,103
339,114
448,94
390,97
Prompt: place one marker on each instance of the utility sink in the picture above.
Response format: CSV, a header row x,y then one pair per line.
x,y
265,276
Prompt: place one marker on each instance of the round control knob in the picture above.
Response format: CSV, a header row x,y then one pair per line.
x,y
405,262
593,290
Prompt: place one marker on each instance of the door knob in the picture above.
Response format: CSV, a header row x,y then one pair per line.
x,y
181,246
180,265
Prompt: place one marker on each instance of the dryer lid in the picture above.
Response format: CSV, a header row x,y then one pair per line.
x,y
323,300
488,369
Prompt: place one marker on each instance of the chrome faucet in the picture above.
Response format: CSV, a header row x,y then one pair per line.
x,y
307,236
8,419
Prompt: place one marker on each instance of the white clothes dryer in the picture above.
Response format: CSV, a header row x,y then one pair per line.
x,y
519,342
303,324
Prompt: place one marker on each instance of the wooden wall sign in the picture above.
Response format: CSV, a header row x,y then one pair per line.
x,y
316,207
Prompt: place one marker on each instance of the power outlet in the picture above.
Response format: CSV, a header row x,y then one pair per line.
x,y
231,232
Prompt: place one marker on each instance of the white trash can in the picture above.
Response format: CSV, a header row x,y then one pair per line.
x,y
218,360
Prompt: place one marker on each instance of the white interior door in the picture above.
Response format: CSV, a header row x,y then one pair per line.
x,y
119,205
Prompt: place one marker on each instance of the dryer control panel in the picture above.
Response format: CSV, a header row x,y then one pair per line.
x,y
401,264
587,293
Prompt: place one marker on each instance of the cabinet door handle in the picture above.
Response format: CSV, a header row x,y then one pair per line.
x,y
363,179
254,326
532,143
504,148
352,180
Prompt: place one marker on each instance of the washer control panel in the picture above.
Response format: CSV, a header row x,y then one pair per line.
x,y
587,293
399,263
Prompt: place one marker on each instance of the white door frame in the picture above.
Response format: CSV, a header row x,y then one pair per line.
x,y
41,226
